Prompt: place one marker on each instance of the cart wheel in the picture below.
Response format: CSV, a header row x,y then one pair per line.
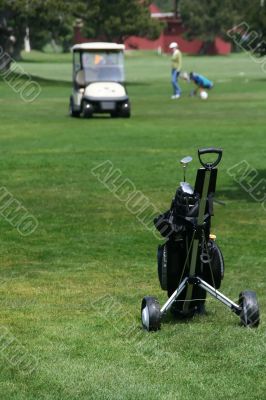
x,y
72,112
250,315
150,314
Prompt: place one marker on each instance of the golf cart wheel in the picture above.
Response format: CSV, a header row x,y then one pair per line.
x,y
86,109
72,112
250,315
150,314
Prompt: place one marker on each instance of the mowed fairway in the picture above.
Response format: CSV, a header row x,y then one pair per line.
x,y
88,245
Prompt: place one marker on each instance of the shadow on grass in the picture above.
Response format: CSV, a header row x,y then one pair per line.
x,y
248,190
15,79
95,116
260,80
54,82
50,82
45,61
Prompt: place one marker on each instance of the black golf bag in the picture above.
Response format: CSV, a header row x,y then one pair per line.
x,y
178,225
190,263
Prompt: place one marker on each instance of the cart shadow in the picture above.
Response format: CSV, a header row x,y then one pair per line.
x,y
96,117
170,319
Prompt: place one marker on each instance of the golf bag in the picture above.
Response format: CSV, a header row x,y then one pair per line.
x,y
190,263
174,256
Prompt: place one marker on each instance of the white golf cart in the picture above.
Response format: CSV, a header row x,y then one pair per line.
x,y
98,77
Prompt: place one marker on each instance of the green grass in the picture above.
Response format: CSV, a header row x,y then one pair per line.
x,y
88,245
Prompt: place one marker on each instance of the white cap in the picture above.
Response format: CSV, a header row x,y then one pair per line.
x,y
173,45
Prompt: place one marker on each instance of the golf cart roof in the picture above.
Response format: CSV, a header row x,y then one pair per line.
x,y
98,46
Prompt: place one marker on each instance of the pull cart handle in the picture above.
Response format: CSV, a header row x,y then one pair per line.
x,y
210,150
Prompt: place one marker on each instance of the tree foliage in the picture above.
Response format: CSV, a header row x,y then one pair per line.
x,y
112,20
46,20
207,19
255,15
115,20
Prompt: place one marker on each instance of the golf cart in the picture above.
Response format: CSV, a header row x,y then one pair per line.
x,y
98,80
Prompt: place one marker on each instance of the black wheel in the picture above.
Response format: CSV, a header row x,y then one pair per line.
x,y
150,314
250,314
72,112
86,109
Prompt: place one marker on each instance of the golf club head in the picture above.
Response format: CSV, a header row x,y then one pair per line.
x,y
186,188
184,162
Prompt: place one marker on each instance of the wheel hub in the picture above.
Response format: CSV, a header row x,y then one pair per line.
x,y
145,317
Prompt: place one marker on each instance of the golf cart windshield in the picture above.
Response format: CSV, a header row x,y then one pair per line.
x,y
100,65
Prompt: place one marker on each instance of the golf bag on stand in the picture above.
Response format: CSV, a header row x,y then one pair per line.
x,y
190,263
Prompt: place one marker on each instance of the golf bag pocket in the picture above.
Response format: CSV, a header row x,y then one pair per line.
x,y
213,270
163,224
170,258
168,225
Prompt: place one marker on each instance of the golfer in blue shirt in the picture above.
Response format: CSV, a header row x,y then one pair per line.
x,y
201,82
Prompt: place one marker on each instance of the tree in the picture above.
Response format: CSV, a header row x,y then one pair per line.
x,y
53,20
115,20
249,30
207,19
256,18
46,20
6,42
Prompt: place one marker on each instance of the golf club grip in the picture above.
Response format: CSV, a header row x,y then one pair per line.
x,y
210,150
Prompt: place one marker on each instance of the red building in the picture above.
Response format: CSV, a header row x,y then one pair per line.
x,y
173,32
